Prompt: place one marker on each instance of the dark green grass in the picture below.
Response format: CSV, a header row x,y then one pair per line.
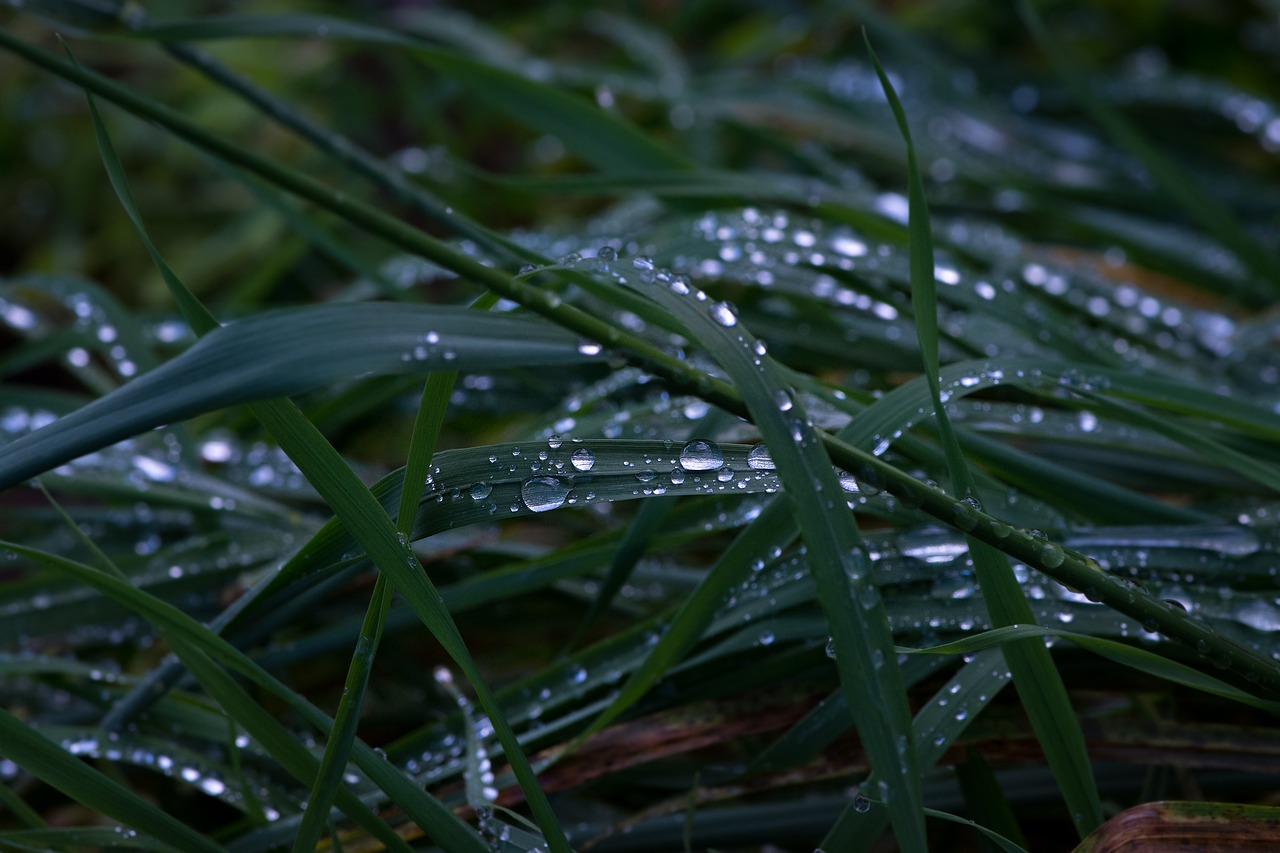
x,y
753,452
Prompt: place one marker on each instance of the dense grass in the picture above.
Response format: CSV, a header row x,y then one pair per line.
x,y
575,430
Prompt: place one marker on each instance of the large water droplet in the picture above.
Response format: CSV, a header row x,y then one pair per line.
x,y
699,455
583,459
722,313
544,493
760,459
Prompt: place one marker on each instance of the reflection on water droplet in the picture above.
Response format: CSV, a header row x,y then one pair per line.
x,y
760,459
699,455
723,314
965,513
583,459
1052,555
544,493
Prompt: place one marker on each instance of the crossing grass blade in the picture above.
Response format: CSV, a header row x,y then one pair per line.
x,y
1039,686
840,565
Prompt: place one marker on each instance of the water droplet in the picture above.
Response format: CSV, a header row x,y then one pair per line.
x,y
722,313
868,480
782,399
831,647
544,493
590,348
965,513
861,804
1052,555
759,458
583,459
480,491
725,474
607,253
699,455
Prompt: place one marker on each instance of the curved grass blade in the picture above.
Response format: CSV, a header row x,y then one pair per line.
x,y
1039,686
283,353
937,725
328,777
49,762
841,567
1130,656
422,443
640,532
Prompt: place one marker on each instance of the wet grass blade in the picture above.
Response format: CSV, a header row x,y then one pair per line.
x,y
1039,686
433,817
841,567
1130,656
283,353
49,762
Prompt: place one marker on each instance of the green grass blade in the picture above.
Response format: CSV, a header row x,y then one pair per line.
x,y
1131,656
328,778
439,822
937,725
369,523
283,353
1039,686
983,798
868,668
49,762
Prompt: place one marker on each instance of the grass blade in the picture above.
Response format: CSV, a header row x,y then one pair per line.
x,y
1039,686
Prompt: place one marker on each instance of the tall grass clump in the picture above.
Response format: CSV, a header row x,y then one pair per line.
x,y
568,429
